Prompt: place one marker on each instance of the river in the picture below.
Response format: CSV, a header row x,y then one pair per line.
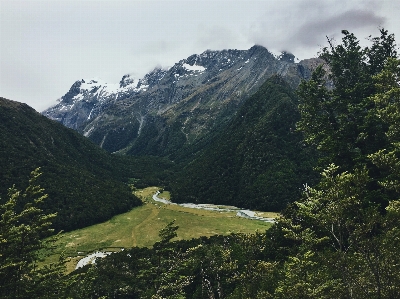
x,y
240,212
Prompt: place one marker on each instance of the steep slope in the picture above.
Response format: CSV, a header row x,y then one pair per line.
x,y
258,161
84,182
170,109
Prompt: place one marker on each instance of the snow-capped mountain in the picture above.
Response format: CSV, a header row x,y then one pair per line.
x,y
169,108
87,98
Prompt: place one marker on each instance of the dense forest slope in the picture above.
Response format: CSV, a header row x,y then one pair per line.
x,y
259,161
84,183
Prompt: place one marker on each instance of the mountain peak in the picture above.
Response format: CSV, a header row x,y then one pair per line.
x,y
193,97
258,48
287,57
127,80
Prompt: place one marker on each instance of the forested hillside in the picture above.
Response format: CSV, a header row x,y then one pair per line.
x,y
85,184
258,161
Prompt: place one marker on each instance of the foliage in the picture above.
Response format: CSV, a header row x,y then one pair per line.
x,y
340,233
342,121
346,226
387,100
23,241
235,266
148,273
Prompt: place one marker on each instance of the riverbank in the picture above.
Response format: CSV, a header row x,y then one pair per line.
x,y
248,214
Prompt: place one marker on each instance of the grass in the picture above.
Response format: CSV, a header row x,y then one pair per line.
x,y
140,227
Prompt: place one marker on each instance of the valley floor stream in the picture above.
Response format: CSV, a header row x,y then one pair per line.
x,y
210,207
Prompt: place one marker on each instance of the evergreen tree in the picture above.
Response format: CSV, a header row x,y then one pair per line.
x,y
24,232
347,226
342,121
169,280
387,101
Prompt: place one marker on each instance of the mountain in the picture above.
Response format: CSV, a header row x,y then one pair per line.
x,y
86,185
171,109
258,161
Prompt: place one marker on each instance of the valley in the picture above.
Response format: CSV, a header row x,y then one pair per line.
x,y
327,157
140,226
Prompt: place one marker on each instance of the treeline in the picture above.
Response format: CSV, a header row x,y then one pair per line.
x,y
235,266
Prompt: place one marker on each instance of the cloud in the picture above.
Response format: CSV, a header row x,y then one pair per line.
x,y
302,27
47,45
218,37
310,33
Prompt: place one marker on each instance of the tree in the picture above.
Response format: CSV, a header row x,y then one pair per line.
x,y
387,100
343,241
347,226
341,121
335,231
24,229
250,271
165,272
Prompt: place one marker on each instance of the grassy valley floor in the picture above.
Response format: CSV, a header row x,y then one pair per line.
x,y
140,227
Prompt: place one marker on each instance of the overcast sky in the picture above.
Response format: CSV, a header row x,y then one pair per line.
x,y
45,46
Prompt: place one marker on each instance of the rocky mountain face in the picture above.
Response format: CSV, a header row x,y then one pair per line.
x,y
170,109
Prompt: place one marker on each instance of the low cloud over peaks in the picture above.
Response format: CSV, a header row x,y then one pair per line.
x,y
303,27
310,33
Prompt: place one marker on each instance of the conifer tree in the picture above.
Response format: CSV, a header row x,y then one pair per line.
x,y
24,232
347,226
338,113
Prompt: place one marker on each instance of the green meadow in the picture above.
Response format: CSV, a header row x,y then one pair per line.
x,y
140,226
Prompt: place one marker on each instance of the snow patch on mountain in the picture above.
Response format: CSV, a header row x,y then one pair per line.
x,y
97,87
194,68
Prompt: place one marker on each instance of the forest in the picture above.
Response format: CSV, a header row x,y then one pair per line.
x,y
338,239
258,161
85,184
